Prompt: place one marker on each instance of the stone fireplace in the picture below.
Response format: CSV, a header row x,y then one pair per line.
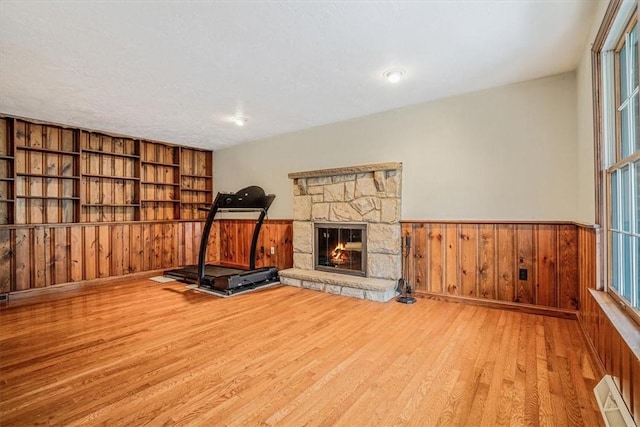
x,y
346,230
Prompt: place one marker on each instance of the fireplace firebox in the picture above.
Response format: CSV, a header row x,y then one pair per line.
x,y
341,248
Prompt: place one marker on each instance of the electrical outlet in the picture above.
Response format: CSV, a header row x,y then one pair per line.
x,y
273,250
522,274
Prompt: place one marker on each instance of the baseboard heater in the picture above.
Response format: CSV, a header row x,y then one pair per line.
x,y
613,409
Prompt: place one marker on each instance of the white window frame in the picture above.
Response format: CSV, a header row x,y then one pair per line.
x,y
609,159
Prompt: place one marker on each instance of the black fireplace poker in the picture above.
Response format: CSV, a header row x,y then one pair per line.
x,y
404,287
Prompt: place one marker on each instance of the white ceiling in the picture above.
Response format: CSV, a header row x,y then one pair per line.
x,y
179,71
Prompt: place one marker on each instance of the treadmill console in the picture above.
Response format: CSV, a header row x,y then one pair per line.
x,y
252,197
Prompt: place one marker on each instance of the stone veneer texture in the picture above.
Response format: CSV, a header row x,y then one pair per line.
x,y
373,198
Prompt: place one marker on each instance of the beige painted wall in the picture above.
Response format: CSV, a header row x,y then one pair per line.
x,y
584,90
507,153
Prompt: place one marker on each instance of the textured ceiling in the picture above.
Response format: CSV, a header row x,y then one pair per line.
x,y
178,71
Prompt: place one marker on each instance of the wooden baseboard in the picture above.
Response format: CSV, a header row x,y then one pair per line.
x,y
29,296
502,305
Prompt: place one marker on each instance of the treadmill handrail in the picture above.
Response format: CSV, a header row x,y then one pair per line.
x,y
204,240
254,240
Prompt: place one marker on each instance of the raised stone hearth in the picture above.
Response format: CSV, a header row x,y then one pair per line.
x,y
366,194
340,284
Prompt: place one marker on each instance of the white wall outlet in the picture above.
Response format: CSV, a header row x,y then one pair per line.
x,y
273,250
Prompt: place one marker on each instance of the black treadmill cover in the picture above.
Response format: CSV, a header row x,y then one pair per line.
x,y
252,197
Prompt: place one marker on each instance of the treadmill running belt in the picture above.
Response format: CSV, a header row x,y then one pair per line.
x,y
190,273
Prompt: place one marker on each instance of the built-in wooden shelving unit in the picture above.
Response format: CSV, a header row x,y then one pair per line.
x,y
51,174
108,165
45,172
160,172
7,177
196,183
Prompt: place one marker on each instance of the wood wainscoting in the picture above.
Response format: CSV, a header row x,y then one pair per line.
x,y
38,256
484,260
235,243
604,325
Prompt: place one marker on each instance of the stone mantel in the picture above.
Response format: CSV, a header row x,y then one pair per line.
x,y
347,170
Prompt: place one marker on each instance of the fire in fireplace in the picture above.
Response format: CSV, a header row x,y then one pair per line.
x,y
341,248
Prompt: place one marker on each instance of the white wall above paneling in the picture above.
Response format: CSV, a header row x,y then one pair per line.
x,y
506,153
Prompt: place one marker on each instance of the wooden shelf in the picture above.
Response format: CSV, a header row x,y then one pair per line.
x,y
113,205
107,153
6,179
159,183
186,175
48,197
197,203
196,191
47,150
169,165
39,175
159,201
6,200
6,157
126,178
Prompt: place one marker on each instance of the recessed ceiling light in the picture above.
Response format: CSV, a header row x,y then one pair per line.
x,y
394,76
240,121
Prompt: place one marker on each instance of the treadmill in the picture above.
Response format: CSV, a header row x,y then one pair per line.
x,y
221,280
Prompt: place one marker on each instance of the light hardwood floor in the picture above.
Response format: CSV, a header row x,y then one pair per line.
x,y
143,352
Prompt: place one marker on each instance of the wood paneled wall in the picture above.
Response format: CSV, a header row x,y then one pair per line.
x,y
235,243
483,260
588,241
43,255
38,256
614,352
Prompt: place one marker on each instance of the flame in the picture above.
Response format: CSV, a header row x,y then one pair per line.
x,y
338,253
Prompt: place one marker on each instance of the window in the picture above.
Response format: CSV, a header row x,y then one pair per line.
x,y
621,152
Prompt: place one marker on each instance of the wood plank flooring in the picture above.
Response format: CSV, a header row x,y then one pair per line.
x,y
148,353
